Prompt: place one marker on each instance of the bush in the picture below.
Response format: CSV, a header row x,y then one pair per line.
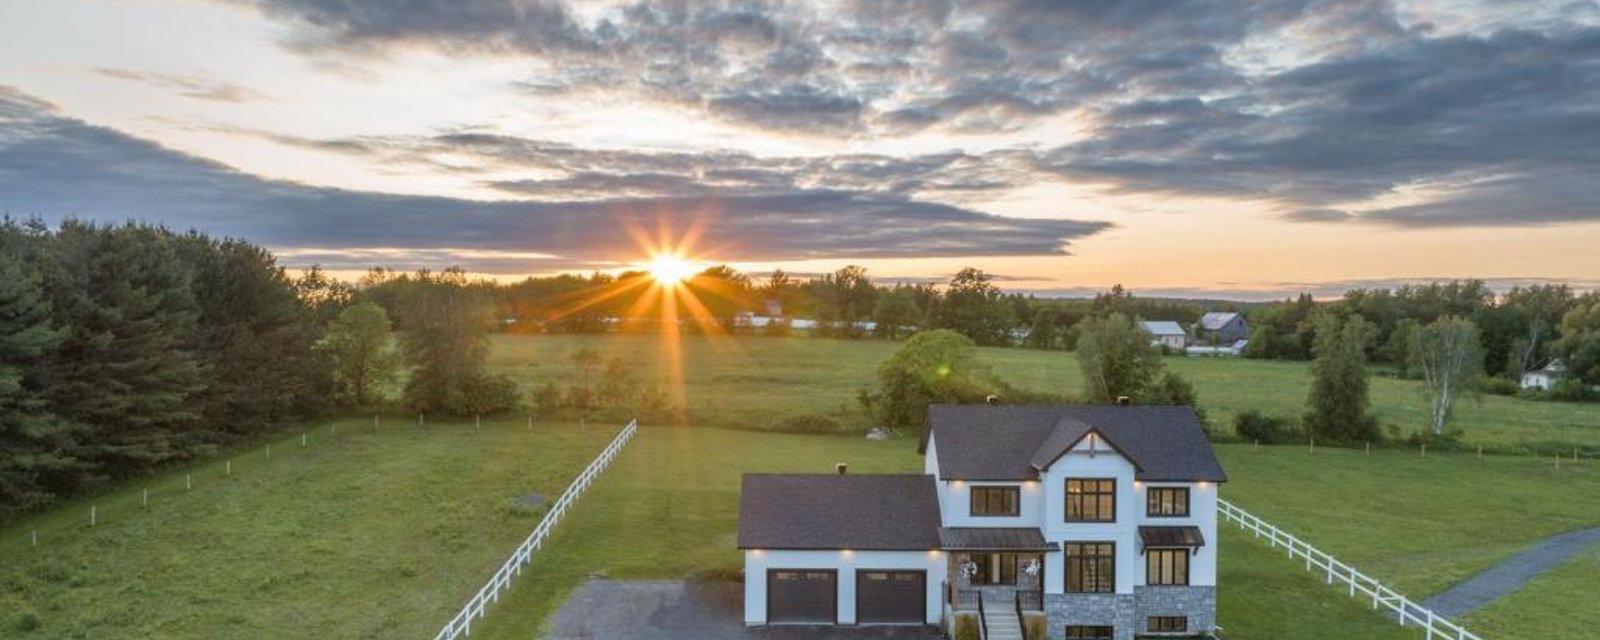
x,y
1501,387
807,423
1571,390
966,626
1253,426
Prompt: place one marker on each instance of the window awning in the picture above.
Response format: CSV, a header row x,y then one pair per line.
x,y
993,539
1189,537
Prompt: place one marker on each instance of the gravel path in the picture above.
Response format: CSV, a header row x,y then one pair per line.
x,y
1510,574
686,610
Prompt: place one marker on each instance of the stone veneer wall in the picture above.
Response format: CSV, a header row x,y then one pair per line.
x,y
1128,614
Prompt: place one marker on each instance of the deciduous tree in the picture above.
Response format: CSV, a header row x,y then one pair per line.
x,y
1338,398
1450,358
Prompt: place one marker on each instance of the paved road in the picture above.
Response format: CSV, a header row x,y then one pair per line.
x,y
677,609
1510,574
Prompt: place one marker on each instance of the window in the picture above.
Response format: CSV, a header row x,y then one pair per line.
x,y
995,501
1167,502
1091,500
1091,567
1168,567
1079,632
1159,624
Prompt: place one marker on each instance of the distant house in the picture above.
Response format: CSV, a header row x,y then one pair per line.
x,y
1222,328
1165,333
1546,377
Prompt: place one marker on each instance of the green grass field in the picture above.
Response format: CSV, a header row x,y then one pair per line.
x,y
753,382
385,535
358,535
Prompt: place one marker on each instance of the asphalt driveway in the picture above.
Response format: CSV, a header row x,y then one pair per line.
x,y
686,610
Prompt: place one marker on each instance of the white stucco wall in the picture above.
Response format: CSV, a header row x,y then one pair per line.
x,y
955,505
757,562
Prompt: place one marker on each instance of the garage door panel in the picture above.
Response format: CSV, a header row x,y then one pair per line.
x,y
891,596
802,595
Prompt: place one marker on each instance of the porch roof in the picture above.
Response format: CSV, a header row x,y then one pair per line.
x,y
1172,537
993,539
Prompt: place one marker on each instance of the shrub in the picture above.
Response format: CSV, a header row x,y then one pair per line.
x,y
1034,629
807,423
1571,390
1253,426
966,626
1498,386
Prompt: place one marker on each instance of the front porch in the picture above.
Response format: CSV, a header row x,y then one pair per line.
x,y
995,567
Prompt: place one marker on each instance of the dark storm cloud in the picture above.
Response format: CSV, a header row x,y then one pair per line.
x,y
57,166
1501,122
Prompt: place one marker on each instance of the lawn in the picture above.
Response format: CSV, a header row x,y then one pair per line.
x,y
668,508
357,535
753,382
1559,604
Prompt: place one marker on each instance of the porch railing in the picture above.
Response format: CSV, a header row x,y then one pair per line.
x,y
1030,600
968,599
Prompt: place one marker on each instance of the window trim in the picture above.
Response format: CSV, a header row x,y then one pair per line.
x,y
1016,500
1109,580
1150,625
1150,566
1066,506
1150,502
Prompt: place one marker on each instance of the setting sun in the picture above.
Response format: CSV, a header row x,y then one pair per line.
x,y
670,269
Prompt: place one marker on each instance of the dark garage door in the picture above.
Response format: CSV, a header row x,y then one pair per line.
x,y
802,595
891,596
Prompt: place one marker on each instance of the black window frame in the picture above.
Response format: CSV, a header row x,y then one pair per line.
x,y
1167,560
1015,498
1152,505
1081,499
1074,560
1166,624
1091,632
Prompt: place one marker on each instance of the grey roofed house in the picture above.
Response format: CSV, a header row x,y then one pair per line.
x,y
1160,328
824,511
984,442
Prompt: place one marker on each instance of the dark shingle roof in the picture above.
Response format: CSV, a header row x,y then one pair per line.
x,y
830,511
993,539
1013,442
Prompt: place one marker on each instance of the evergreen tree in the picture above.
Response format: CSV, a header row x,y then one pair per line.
x,y
124,369
38,450
1338,398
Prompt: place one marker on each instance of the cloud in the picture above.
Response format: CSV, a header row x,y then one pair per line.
x,y
55,166
1315,105
188,85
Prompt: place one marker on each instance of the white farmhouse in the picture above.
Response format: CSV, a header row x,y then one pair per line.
x,y
1545,378
1100,520
1166,333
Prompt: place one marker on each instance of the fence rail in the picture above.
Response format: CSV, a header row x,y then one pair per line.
x,y
461,624
1405,610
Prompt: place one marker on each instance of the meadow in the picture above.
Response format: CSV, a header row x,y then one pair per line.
x,y
384,534
752,382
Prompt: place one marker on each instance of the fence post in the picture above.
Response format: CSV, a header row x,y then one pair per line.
x,y
94,515
269,452
302,439
145,503
228,468
188,481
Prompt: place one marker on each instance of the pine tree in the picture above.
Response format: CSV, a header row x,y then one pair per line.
x,y
37,449
1338,398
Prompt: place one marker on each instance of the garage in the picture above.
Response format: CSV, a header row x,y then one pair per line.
x,y
802,596
891,596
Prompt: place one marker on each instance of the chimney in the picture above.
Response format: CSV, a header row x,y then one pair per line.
x,y
841,467
1123,401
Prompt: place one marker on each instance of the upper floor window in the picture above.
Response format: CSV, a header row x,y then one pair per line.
x,y
1166,567
1167,502
996,501
1091,567
1091,500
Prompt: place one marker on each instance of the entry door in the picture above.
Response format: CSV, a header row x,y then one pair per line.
x,y
802,595
891,597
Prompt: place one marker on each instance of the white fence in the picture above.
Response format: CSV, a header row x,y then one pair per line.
x,y
461,624
1405,610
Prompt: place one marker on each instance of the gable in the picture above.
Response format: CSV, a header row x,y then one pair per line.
x,y
983,442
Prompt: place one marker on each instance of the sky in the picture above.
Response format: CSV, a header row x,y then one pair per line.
x,y
1248,149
